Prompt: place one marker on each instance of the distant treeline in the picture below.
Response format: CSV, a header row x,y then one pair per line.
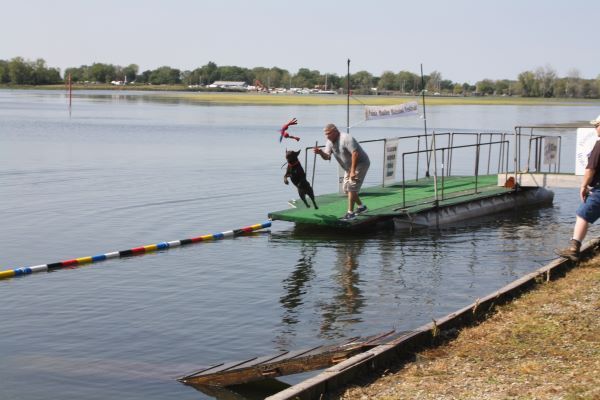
x,y
543,82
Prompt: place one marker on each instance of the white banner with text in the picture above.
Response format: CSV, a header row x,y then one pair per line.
x,y
398,110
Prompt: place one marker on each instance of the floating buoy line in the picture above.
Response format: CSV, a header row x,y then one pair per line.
x,y
131,252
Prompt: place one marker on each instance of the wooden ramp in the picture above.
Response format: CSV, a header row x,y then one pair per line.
x,y
284,363
387,202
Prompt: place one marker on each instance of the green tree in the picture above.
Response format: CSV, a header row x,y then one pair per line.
x,y
233,73
261,74
269,77
504,86
529,85
19,73
446,85
77,74
306,78
457,89
560,87
186,77
468,88
486,86
102,73
408,82
433,82
388,81
361,82
335,81
571,85
545,78
281,77
4,78
165,76
590,89
130,72
209,73
144,77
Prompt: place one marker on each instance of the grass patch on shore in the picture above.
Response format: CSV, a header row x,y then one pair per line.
x,y
543,345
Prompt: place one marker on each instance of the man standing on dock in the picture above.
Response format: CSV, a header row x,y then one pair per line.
x,y
353,159
589,192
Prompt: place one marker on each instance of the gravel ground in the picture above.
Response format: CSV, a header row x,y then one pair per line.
x,y
543,345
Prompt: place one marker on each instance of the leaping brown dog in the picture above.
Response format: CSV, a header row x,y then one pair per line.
x,y
296,173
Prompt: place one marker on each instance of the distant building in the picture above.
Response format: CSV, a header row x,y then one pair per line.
x,y
229,85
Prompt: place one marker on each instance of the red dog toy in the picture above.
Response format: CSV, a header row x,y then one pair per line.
x,y
285,134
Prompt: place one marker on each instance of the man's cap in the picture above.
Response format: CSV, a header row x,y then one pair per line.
x,y
595,121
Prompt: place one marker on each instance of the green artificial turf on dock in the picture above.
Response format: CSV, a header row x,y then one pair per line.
x,y
394,200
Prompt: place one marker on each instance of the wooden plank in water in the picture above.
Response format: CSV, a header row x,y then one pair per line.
x,y
284,363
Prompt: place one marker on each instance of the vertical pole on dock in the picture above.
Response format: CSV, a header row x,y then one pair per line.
x,y
517,151
348,99
418,157
403,182
312,182
424,120
443,161
477,155
435,188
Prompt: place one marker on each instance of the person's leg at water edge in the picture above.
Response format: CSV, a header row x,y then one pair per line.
x,y
587,213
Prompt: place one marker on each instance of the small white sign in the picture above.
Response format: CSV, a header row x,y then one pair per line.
x,y
550,150
586,138
389,155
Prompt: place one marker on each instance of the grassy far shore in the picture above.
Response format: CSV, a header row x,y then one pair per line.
x,y
180,92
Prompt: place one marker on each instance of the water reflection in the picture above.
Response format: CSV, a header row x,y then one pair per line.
x,y
438,269
295,288
345,307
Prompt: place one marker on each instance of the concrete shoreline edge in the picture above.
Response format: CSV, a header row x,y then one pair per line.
x,y
428,335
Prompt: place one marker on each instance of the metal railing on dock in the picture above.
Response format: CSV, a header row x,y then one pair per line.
x,y
529,148
497,145
447,152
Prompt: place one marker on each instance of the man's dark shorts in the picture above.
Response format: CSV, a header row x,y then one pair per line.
x,y
590,210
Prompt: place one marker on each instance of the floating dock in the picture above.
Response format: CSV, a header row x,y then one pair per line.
x,y
416,204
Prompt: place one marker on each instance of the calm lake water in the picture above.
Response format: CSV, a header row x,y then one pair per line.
x,y
128,169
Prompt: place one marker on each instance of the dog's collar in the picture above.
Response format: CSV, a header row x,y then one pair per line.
x,y
294,163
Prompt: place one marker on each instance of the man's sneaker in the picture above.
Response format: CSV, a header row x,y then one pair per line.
x,y
571,252
361,209
349,215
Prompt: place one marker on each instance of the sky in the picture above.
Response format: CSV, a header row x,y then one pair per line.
x,y
464,40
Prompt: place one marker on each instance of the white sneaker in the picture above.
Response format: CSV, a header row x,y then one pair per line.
x,y
349,215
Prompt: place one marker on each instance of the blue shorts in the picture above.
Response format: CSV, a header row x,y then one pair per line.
x,y
590,210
